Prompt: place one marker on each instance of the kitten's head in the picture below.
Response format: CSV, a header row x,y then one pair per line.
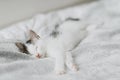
x,y
33,46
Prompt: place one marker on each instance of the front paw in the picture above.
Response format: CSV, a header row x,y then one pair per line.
x,y
60,71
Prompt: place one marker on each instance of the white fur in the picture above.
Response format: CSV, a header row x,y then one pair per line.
x,y
71,33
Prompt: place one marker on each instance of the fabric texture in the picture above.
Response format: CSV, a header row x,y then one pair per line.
x,y
98,55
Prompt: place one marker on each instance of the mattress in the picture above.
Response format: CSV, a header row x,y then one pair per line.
x,y
98,55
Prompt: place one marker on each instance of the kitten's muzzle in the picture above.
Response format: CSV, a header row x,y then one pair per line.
x,y
38,55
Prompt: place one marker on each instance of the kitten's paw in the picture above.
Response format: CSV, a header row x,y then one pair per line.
x,y
75,67
60,72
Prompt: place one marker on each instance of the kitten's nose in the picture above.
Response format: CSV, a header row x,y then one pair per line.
x,y
38,55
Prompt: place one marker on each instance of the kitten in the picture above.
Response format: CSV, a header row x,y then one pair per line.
x,y
58,44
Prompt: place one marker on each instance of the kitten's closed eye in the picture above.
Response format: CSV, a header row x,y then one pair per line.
x,y
29,41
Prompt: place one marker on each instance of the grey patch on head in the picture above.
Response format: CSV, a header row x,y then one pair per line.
x,y
22,48
54,34
72,19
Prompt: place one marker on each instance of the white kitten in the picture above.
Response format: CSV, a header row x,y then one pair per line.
x,y
58,44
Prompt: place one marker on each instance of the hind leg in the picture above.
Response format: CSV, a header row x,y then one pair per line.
x,y
70,62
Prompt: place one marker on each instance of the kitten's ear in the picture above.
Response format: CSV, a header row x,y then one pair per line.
x,y
22,48
33,35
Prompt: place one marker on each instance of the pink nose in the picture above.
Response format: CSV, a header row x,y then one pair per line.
x,y
38,56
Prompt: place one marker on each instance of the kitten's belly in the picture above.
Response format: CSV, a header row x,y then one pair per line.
x,y
72,32
68,41
71,41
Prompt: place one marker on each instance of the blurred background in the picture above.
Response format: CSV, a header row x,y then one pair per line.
x,y
12,11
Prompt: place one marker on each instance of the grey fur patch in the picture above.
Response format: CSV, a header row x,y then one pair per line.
x,y
22,48
72,19
54,34
56,26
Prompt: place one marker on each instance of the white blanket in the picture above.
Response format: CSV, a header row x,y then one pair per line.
x,y
98,55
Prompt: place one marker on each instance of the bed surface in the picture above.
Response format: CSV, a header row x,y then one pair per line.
x,y
98,55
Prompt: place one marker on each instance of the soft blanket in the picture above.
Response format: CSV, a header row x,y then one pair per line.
x,y
98,55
